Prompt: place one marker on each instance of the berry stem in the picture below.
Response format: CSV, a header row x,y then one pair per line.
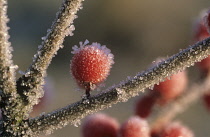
x,y
87,91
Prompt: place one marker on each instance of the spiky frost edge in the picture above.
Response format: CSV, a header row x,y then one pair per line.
x,y
169,112
7,68
96,45
122,92
30,85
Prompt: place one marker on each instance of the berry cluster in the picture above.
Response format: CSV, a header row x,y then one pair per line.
x,y
90,66
101,125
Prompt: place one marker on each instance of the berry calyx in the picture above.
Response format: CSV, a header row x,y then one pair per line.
x,y
134,127
91,64
100,125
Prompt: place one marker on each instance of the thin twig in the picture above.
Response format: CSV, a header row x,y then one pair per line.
x,y
30,84
122,92
180,105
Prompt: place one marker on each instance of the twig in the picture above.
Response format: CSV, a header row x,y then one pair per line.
x,y
7,68
180,105
29,86
122,92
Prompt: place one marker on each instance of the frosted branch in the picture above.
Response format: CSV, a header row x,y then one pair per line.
x,y
10,102
7,69
180,105
30,85
123,91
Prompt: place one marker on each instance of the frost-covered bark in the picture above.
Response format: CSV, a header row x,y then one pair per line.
x,y
122,92
30,84
10,101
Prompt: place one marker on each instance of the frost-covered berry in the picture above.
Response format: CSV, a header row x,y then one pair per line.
x,y
91,64
144,105
100,125
206,99
176,129
134,127
173,87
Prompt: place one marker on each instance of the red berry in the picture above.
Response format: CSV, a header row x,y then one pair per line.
x,y
91,64
144,105
200,29
134,127
206,99
173,87
176,129
100,125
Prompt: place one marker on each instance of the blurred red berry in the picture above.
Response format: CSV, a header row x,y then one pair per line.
x,y
206,20
46,99
100,125
144,105
173,87
204,65
176,129
206,99
134,127
202,29
91,64
155,133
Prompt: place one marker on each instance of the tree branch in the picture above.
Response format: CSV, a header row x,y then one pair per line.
x,y
10,102
29,86
122,92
